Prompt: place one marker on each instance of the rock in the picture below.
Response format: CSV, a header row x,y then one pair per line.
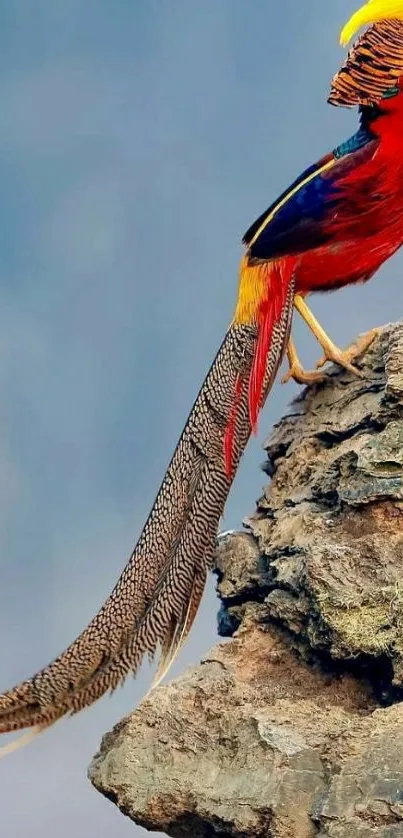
x,y
257,743
328,532
284,732
236,747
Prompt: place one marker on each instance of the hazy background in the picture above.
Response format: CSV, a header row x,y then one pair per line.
x,y
138,140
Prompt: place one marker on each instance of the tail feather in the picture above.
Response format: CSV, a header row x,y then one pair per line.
x,y
231,427
268,289
180,630
153,604
279,277
21,741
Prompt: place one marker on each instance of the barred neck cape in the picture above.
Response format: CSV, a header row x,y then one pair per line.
x,y
372,68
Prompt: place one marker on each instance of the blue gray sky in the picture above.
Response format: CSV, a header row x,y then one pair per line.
x,y
138,140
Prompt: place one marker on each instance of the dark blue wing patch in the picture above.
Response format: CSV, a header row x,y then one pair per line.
x,y
297,223
304,222
251,232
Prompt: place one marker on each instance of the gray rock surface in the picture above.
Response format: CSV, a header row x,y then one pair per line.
x,y
327,539
293,728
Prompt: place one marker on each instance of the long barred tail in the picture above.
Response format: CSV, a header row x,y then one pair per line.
x,y
155,601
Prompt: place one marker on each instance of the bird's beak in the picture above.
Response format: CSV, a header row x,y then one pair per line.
x,y
372,11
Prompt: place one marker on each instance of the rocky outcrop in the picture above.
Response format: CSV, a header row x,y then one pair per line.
x,y
293,728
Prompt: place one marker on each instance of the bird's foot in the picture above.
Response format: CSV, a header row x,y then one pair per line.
x,y
302,376
297,371
344,357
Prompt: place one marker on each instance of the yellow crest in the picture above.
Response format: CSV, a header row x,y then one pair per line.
x,y
371,12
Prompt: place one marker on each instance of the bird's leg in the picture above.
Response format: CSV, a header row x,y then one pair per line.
x,y
297,371
332,352
356,349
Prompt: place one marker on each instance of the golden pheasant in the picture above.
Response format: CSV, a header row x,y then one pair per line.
x,y
335,225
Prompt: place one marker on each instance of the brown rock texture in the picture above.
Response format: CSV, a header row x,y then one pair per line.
x,y
293,728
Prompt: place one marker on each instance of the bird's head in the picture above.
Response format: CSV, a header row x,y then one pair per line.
x,y
373,70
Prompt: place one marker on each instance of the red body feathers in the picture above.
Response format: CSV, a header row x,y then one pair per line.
x,y
336,225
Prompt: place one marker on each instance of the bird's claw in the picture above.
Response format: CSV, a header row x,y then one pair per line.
x,y
302,376
345,357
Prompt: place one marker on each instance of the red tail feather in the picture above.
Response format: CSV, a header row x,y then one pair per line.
x,y
266,317
274,289
279,275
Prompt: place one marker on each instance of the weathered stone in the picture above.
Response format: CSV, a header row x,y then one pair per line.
x,y
243,575
329,528
239,746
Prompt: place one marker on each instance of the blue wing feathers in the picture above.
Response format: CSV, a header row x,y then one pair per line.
x,y
252,230
304,221
288,229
